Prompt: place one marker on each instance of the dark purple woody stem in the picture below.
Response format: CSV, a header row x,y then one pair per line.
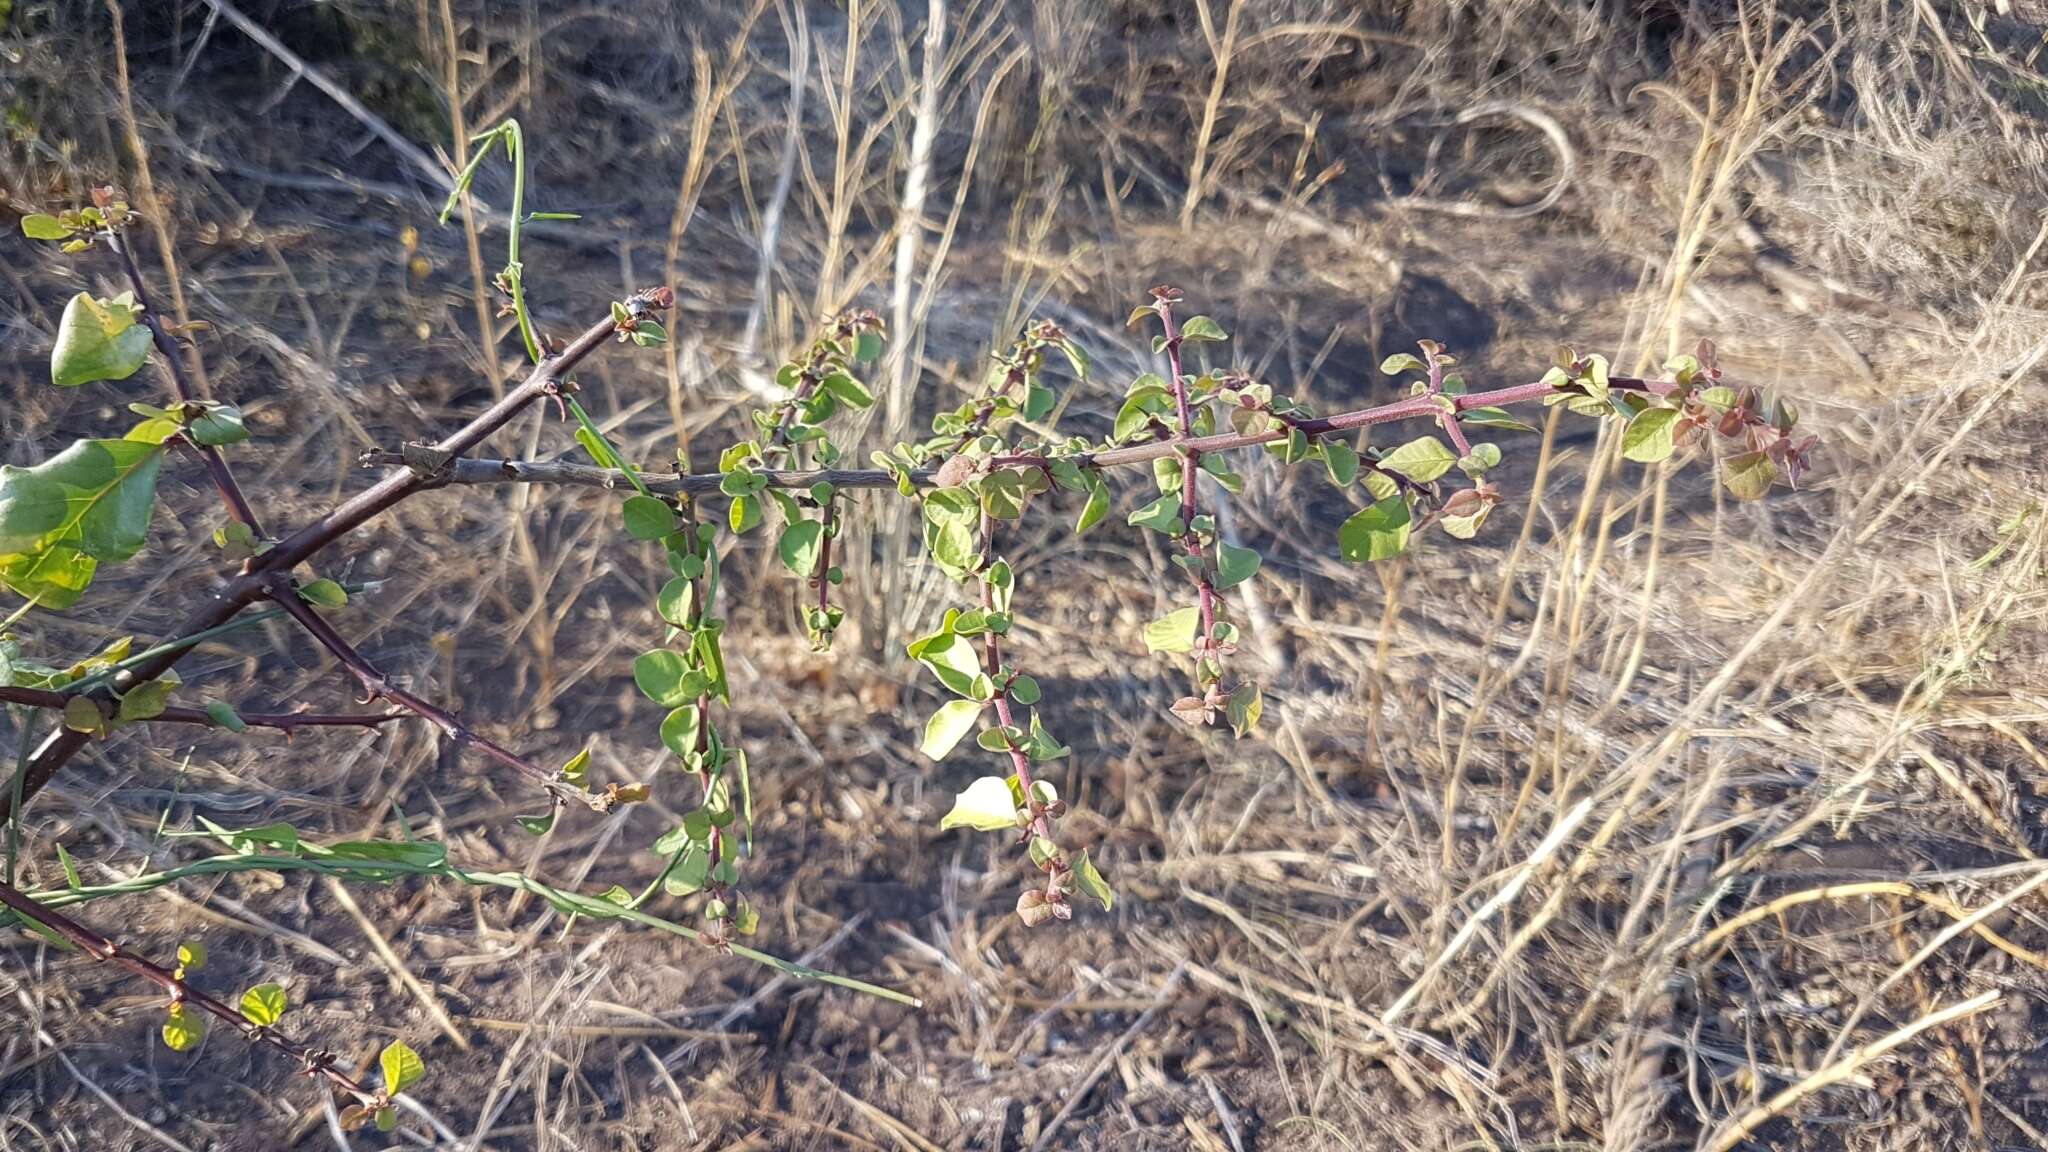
x,y
216,464
378,686
255,583
282,721
1191,541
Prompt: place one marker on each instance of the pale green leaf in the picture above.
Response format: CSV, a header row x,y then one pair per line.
x,y
401,1066
948,726
264,1005
988,805
1651,436
1174,632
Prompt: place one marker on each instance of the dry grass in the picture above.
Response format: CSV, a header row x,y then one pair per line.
x,y
1647,821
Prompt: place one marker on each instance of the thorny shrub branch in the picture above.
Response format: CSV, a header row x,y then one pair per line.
x,y
255,1020
987,461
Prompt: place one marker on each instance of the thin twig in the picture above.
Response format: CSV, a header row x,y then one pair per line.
x,y
216,464
377,685
485,471
313,1062
254,584
282,721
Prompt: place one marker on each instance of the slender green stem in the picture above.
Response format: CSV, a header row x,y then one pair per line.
x,y
384,871
27,719
107,674
609,457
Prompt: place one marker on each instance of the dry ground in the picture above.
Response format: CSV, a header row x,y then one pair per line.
x,y
1545,842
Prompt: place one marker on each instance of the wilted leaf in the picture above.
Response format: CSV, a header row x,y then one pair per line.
x,y
1749,475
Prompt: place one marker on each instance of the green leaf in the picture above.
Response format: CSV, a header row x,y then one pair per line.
x,y
1202,328
1024,690
145,701
401,1066
324,593
71,876
648,518
1089,882
1651,436
800,545
1234,565
219,424
249,841
264,1004
82,714
1482,458
1342,461
1040,745
868,345
1247,704
744,514
848,391
537,825
677,602
1097,506
1161,515
1174,632
61,518
1376,533
577,771
183,1029
1489,417
191,956
668,678
1401,362
948,726
987,805
1422,459
1002,495
679,730
1749,475
97,340
387,1119
43,226
951,658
